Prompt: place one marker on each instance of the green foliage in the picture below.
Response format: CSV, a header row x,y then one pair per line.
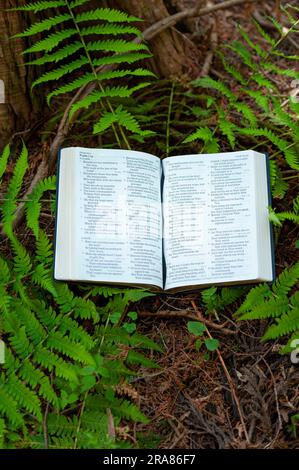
x,y
277,303
81,53
198,329
54,360
253,108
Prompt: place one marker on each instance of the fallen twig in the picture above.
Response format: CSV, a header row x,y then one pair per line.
x,y
190,316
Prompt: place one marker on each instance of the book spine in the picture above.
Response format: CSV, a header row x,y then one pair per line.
x,y
56,210
164,268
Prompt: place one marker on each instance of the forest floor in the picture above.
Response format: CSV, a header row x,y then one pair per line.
x,y
241,397
189,399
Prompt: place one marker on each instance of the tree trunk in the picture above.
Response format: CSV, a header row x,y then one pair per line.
x,y
174,54
15,103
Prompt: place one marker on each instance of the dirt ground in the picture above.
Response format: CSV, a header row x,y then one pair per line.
x,y
244,396
189,399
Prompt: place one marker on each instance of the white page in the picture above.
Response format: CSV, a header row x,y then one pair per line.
x,y
118,231
210,230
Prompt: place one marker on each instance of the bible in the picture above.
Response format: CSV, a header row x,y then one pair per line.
x,y
128,218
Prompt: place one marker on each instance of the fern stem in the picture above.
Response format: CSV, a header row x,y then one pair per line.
x,y
95,75
168,118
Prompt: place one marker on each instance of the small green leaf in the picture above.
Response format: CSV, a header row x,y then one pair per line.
x,y
129,327
196,328
115,317
133,315
211,344
88,382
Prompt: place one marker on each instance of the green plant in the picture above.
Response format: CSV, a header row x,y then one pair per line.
x,y
64,356
86,48
248,106
276,303
198,329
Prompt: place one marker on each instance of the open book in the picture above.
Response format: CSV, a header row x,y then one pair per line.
x,y
128,218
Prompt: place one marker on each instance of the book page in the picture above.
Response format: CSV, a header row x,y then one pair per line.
x,y
210,233
118,222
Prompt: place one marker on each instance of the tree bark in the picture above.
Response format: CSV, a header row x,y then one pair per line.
x,y
15,111
174,54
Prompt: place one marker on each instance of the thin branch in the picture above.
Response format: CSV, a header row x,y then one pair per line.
x,y
189,316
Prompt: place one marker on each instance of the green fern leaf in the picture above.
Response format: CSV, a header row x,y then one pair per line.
x,y
89,77
77,3
24,396
113,29
51,41
264,33
203,133
33,205
288,323
115,45
9,206
44,251
228,129
73,350
286,280
44,25
9,407
208,82
270,309
61,71
256,296
129,58
96,96
58,55
106,14
3,161
40,6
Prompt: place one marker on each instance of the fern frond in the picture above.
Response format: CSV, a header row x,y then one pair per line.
x,y
282,144
9,206
270,309
256,296
71,349
51,41
286,280
9,407
243,53
106,14
90,77
288,323
227,128
3,160
61,71
113,29
33,205
122,117
115,45
40,6
203,133
264,33
208,82
44,251
22,261
42,276
96,96
44,25
25,397
58,55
